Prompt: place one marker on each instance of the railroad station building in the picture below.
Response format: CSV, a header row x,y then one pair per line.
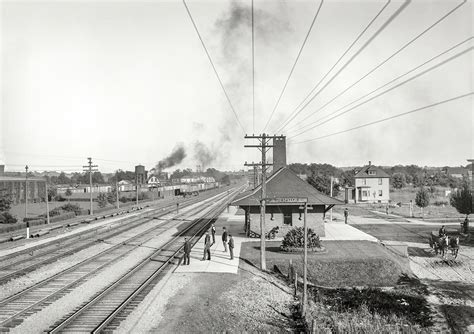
x,y
285,193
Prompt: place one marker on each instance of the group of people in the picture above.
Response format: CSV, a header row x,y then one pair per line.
x,y
227,240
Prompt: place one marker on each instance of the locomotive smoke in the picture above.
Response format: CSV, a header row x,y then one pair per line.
x,y
178,154
203,154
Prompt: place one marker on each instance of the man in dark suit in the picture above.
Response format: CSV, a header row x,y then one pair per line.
x,y
231,246
224,239
213,230
187,251
207,247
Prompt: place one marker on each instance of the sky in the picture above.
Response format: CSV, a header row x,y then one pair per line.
x,y
128,82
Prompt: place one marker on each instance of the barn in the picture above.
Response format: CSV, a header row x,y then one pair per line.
x,y
285,191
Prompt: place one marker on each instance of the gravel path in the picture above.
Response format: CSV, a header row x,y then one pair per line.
x,y
215,302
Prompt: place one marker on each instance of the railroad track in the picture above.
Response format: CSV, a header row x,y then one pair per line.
x,y
111,305
29,260
16,308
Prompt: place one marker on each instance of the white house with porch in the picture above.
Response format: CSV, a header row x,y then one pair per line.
x,y
372,185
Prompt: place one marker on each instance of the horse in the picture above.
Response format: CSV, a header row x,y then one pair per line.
x,y
439,243
454,245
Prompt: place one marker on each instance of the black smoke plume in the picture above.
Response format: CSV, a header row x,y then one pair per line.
x,y
203,154
178,154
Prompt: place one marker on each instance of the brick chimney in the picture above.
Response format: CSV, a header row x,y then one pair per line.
x,y
370,163
279,153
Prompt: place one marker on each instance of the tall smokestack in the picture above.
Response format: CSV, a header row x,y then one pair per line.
x,y
279,153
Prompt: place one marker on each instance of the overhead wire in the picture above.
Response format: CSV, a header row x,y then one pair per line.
x,y
253,72
318,122
386,60
295,112
294,64
387,118
213,67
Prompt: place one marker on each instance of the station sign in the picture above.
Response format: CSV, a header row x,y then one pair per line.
x,y
286,200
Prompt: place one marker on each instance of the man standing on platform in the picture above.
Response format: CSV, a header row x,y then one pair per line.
x,y
207,247
187,251
346,214
213,231
231,246
224,239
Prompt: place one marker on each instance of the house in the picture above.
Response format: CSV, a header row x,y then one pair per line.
x,y
456,172
372,185
15,188
126,185
283,209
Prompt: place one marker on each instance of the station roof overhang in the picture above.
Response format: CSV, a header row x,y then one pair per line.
x,y
285,188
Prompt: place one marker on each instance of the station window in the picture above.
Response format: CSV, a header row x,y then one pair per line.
x,y
287,218
380,181
380,192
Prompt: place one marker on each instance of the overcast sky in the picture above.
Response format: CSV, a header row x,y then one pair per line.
x,y
127,82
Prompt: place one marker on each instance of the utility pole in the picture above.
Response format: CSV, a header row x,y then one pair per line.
x,y
305,260
136,187
330,212
89,168
117,194
47,202
263,146
26,192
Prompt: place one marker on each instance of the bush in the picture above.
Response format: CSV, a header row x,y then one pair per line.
x,y
102,200
72,208
440,203
60,198
55,212
7,218
295,239
124,199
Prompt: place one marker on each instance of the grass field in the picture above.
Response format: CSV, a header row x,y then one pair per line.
x,y
344,263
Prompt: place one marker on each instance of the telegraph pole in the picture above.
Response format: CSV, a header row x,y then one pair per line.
x,y
263,146
330,212
26,192
89,168
47,201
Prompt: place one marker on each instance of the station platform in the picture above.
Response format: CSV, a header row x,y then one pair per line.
x,y
220,261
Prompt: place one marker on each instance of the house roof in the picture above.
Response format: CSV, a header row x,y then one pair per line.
x,y
284,183
456,170
364,172
19,178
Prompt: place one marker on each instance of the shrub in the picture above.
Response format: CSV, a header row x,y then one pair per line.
x,y
55,212
102,200
124,199
440,203
7,218
72,208
60,198
295,239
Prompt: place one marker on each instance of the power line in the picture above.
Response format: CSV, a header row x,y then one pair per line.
x,y
253,73
213,67
294,65
317,124
387,59
388,118
392,17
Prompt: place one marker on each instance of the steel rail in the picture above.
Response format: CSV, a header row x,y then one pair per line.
x,y
84,263
138,270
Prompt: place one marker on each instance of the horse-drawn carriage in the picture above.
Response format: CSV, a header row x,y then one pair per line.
x,y
443,243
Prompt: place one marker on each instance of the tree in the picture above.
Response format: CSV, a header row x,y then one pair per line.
x,y
5,203
112,196
102,200
461,199
422,199
398,180
68,193
348,179
63,179
322,183
52,193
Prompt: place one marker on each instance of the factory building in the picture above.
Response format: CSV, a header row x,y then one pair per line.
x,y
15,187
